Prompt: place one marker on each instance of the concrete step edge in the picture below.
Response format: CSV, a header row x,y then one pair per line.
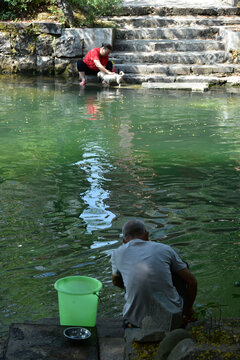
x,y
167,41
234,66
162,28
178,11
177,46
160,21
177,69
177,78
177,86
182,53
171,17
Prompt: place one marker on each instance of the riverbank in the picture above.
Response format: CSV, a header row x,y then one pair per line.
x,y
45,340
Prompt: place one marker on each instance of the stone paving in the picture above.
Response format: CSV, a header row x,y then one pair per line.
x,y
44,340
179,3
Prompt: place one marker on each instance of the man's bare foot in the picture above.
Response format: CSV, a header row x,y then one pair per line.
x,y
83,82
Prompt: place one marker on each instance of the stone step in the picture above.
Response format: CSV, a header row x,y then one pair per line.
x,y
174,70
177,11
168,45
178,86
154,21
138,79
199,58
178,33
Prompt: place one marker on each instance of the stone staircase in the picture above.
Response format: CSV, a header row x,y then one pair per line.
x,y
154,45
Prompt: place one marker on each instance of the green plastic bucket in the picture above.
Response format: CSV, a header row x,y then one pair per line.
x,y
78,300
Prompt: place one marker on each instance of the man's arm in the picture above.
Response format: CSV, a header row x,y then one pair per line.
x,y
118,280
191,292
102,68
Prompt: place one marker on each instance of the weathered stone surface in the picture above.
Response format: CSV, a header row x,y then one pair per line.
x,y
233,80
167,33
41,342
230,2
45,65
232,38
151,335
111,348
178,11
24,45
70,44
201,58
26,64
170,341
5,43
110,327
168,45
46,336
236,68
177,86
48,28
7,64
182,350
156,21
44,45
212,69
110,334
179,70
211,79
160,78
14,26
95,37
65,66
61,65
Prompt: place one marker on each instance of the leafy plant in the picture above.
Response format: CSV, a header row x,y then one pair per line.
x,y
13,9
211,312
93,9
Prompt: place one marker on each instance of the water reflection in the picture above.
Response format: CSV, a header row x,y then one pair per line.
x,y
96,214
94,102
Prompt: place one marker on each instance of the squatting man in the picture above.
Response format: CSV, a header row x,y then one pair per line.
x,y
148,271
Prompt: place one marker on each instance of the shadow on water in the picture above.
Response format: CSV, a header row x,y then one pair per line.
x,y
76,164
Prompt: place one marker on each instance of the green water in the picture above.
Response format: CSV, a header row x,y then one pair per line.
x,y
75,165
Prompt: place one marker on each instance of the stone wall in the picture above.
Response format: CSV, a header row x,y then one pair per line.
x,y
46,48
231,2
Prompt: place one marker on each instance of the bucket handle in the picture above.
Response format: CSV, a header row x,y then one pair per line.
x,y
99,297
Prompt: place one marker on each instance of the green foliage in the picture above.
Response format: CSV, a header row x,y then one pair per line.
x,y
93,9
212,313
87,12
13,9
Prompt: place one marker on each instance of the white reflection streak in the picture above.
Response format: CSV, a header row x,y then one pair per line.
x,y
96,214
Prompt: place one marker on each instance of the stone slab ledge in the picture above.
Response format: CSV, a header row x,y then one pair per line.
x,y
177,86
37,26
177,11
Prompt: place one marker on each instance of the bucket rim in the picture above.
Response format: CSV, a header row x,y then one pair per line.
x,y
94,291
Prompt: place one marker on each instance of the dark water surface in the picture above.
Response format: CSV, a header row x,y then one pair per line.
x,y
75,165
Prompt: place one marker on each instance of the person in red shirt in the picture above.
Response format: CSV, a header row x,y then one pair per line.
x,y
96,60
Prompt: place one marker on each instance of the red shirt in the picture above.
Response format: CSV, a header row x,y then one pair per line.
x,y
92,55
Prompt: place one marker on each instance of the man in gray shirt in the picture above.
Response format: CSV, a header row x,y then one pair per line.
x,y
145,268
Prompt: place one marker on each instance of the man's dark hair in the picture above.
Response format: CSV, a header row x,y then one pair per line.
x,y
107,46
133,228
